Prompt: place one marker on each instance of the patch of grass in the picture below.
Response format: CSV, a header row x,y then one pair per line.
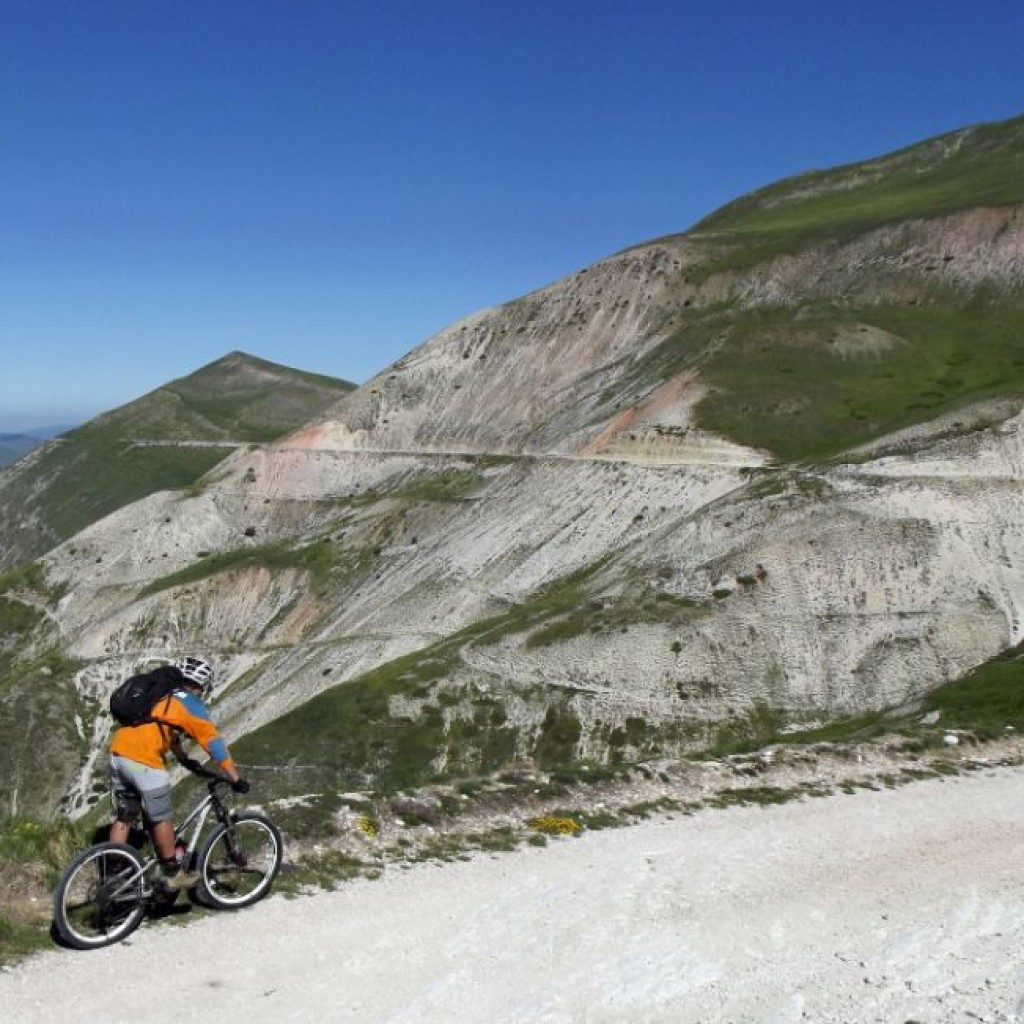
x,y
40,744
856,729
309,819
29,576
318,559
985,701
802,385
32,855
558,598
322,870
647,808
590,617
347,736
454,846
454,485
446,847
782,385
25,596
18,940
17,617
500,839
49,844
594,820
559,734
43,847
116,472
759,729
762,796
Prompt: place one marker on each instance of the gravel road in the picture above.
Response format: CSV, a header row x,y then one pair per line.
x,y
894,906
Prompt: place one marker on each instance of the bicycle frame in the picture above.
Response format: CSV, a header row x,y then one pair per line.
x,y
197,818
199,815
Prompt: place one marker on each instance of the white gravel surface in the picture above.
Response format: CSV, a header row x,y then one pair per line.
x,y
894,906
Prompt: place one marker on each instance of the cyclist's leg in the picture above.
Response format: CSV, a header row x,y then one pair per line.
x,y
154,787
126,800
149,789
163,838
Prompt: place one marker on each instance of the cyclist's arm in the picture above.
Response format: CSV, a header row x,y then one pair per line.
x,y
188,713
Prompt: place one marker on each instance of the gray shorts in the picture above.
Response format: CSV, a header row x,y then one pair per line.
x,y
136,787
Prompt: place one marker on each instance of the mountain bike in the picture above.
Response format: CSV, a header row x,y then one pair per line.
x,y
106,891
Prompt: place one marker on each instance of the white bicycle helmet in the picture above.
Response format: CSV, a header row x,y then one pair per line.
x,y
197,671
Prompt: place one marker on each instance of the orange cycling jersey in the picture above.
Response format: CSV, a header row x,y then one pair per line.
x,y
150,743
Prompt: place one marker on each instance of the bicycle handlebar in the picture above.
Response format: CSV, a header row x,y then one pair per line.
x,y
193,766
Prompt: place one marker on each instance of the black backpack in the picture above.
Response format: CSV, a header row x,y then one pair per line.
x,y
133,701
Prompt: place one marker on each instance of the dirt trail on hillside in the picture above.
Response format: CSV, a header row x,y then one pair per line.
x,y
893,906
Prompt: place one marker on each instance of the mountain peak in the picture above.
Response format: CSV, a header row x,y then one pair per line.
x,y
166,439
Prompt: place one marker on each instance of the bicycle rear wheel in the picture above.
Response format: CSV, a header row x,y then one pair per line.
x,y
101,897
238,862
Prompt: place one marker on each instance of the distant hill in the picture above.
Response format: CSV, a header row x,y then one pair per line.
x,y
167,439
45,433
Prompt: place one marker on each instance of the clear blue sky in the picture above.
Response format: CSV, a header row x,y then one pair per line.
x,y
326,183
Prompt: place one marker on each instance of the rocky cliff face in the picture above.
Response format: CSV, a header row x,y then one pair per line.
x,y
529,539
563,371
703,593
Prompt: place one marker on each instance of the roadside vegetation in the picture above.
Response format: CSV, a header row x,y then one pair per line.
x,y
443,731
354,737
32,855
40,741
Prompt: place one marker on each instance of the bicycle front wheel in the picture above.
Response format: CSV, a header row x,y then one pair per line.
x,y
238,862
101,897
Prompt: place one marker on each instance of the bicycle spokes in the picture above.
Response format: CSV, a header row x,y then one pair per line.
x,y
241,861
101,898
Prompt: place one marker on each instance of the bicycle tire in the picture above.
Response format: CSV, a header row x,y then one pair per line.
x,y
237,863
88,911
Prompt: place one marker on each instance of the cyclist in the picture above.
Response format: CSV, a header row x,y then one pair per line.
x,y
138,777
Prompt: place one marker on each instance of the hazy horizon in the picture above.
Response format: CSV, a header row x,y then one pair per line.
x,y
25,422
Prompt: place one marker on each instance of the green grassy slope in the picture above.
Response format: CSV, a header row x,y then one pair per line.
x,y
39,740
787,385
236,398
978,166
